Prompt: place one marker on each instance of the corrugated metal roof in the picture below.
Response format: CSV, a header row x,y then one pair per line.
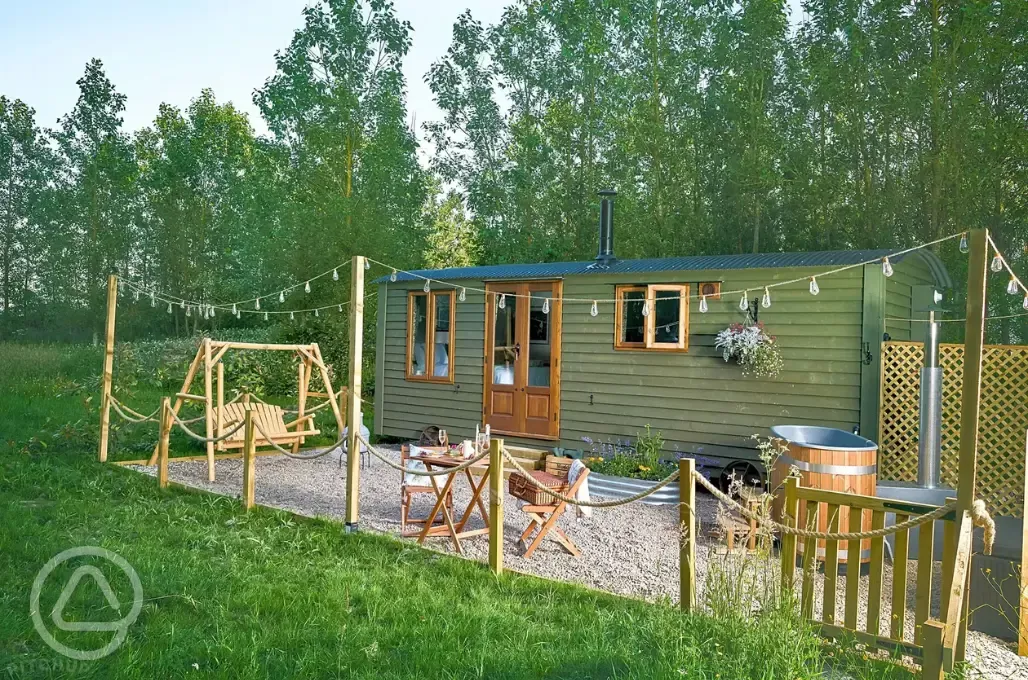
x,y
824,258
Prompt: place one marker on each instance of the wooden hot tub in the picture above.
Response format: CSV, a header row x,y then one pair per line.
x,y
829,459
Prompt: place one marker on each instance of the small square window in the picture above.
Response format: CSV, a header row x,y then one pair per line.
x,y
654,317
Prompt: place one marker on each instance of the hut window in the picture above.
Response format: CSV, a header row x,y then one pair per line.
x,y
430,335
664,327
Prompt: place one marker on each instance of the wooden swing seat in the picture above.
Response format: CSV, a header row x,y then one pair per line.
x,y
271,421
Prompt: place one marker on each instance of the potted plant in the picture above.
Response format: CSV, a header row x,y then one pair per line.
x,y
751,347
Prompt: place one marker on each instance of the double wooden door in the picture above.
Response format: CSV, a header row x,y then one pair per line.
x,y
522,358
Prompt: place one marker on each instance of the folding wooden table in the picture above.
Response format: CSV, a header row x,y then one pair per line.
x,y
454,527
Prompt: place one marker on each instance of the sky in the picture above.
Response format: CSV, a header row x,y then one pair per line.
x,y
156,51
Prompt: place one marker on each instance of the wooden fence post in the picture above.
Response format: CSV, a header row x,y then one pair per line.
x,y
208,405
353,413
687,536
249,468
108,374
163,443
790,518
931,662
220,446
974,336
496,506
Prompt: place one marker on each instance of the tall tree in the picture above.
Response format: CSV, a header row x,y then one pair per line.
x,y
100,199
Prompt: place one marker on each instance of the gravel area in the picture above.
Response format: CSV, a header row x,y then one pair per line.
x,y
629,550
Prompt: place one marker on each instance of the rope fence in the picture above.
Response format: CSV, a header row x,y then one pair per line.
x,y
285,452
204,440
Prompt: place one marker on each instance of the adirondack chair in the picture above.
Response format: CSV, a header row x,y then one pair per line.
x,y
544,510
271,421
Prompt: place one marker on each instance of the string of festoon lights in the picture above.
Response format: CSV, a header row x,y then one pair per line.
x,y
207,310
744,304
236,308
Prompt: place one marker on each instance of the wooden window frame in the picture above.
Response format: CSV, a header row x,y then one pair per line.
x,y
650,344
619,317
430,335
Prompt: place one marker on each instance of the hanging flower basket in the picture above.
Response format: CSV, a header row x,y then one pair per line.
x,y
752,348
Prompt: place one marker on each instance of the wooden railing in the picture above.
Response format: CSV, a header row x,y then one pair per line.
x,y
939,645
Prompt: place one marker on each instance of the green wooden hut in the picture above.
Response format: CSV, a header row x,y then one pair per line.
x,y
494,344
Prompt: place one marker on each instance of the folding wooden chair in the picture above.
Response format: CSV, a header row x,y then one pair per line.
x,y
544,510
409,491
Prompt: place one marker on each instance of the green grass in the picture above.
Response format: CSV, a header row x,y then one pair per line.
x,y
231,594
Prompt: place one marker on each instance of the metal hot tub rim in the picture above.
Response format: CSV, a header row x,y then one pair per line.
x,y
825,439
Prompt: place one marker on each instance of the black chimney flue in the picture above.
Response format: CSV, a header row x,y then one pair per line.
x,y
605,256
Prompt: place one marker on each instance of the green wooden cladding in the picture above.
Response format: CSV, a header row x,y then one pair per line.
x,y
699,403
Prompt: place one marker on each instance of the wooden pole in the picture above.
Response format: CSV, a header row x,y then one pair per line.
x,y
353,413
108,374
302,387
163,443
496,506
974,338
687,539
249,465
221,404
186,384
338,405
208,406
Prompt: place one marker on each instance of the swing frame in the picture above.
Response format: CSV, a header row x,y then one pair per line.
x,y
209,357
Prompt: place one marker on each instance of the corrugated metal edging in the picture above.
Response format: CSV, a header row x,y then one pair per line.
x,y
623,487
542,270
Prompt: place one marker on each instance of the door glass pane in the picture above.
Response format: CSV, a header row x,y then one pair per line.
x,y
441,356
667,321
505,343
539,342
633,323
419,331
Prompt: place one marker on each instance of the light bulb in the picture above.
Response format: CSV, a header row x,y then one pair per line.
x,y
335,274
814,288
963,243
181,304
744,302
463,295
703,304
1024,304
135,296
189,311
212,311
282,296
169,308
153,300
340,309
886,267
257,304
765,301
1012,286
292,316
997,263
307,287
367,264
428,286
596,310
265,316
392,277
317,313
235,310
503,302
546,305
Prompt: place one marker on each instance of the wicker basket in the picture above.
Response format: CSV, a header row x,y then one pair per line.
x,y
520,487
